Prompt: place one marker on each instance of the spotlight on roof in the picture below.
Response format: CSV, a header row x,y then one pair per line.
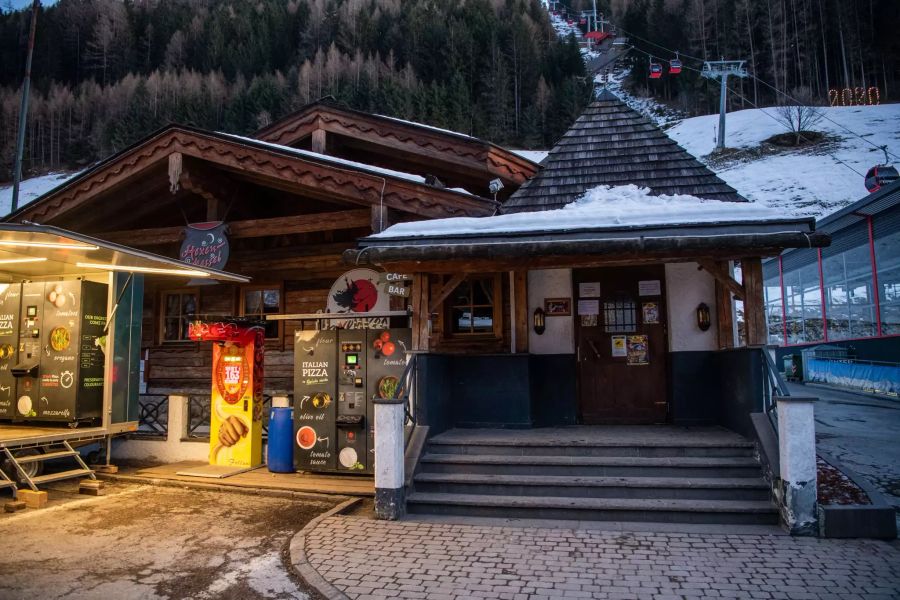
x,y
495,186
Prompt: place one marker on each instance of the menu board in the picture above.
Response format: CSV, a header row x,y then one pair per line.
x,y
315,372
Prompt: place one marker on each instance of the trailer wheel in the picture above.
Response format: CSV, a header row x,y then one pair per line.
x,y
32,469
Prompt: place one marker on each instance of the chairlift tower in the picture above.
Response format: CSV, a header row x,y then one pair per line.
x,y
721,70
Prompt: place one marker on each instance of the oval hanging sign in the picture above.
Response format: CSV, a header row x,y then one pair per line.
x,y
205,245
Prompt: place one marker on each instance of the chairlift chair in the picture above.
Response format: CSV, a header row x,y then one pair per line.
x,y
656,70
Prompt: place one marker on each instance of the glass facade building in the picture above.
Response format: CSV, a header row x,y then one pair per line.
x,y
849,291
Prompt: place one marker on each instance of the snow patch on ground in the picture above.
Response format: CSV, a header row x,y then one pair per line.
x,y
29,189
804,182
660,114
602,207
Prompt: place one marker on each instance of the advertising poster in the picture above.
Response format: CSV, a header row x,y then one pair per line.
x,y
637,352
619,346
651,313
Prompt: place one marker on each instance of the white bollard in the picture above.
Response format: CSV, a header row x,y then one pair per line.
x,y
390,486
797,454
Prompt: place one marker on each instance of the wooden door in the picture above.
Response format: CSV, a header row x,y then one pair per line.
x,y
621,345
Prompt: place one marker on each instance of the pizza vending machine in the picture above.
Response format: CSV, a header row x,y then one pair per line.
x,y
337,374
315,375
61,351
10,302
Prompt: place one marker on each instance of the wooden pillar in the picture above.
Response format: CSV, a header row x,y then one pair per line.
x,y
421,312
754,302
319,141
520,310
724,316
382,218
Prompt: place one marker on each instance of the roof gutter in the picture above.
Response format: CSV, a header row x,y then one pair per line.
x,y
636,247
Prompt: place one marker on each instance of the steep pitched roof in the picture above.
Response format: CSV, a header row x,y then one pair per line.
x,y
613,144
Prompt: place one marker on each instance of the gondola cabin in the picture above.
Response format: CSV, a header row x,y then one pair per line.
x,y
674,67
880,176
656,70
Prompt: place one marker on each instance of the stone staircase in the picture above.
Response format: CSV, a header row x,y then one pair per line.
x,y
629,474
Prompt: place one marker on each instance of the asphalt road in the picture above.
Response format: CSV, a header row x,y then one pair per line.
x,y
862,432
153,542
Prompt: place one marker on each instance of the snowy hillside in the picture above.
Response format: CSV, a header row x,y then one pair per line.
x,y
803,182
31,189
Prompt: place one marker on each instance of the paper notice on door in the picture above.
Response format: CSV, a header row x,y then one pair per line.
x,y
588,307
638,351
619,347
590,289
650,287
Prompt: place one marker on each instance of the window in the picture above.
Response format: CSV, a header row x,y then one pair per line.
x,y
471,307
619,316
772,290
257,302
850,303
179,308
887,258
803,303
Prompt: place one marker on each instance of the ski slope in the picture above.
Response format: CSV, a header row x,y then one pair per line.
x,y
805,182
30,189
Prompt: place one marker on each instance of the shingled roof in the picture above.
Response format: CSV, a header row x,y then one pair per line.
x,y
613,144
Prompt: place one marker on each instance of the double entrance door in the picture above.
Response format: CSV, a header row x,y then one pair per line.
x,y
621,345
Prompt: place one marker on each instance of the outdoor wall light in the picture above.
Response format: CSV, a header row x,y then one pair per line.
x,y
538,321
703,318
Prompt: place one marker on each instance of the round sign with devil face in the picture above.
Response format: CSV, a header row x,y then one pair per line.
x,y
232,373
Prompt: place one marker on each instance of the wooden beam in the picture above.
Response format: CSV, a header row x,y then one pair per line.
x,y
382,218
320,141
520,310
448,288
720,272
724,316
421,315
250,228
754,302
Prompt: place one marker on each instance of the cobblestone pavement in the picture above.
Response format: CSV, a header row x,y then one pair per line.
x,y
442,561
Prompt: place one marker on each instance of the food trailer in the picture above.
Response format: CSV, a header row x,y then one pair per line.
x,y
70,330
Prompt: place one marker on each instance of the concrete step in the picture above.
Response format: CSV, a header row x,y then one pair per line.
x,y
611,448
713,488
591,466
595,509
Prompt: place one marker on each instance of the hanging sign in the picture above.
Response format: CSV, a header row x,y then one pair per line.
x,y
649,288
356,293
619,348
637,351
205,245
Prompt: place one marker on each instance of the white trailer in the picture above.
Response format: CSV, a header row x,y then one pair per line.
x,y
30,253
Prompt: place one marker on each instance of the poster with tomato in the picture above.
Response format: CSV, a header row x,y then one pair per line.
x,y
357,293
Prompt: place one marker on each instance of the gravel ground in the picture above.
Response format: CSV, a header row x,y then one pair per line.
x,y
153,542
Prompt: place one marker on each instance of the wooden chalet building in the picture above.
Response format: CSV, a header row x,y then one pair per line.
x,y
294,197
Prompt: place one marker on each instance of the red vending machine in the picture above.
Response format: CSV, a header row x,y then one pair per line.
x,y
235,429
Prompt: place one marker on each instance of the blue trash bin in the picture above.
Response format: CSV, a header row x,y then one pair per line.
x,y
280,457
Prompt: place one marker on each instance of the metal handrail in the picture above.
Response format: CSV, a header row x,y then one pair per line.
x,y
402,393
773,387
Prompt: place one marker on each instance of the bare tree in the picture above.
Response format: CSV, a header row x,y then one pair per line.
x,y
798,114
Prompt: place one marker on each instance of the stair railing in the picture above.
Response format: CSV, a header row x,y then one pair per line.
x,y
406,390
774,386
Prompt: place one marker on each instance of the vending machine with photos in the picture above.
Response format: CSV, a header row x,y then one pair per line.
x,y
61,348
10,300
337,374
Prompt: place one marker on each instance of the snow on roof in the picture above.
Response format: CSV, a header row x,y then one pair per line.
x,y
805,182
602,207
341,161
31,189
424,126
535,156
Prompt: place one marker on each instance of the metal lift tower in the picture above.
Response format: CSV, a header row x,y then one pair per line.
x,y
721,69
